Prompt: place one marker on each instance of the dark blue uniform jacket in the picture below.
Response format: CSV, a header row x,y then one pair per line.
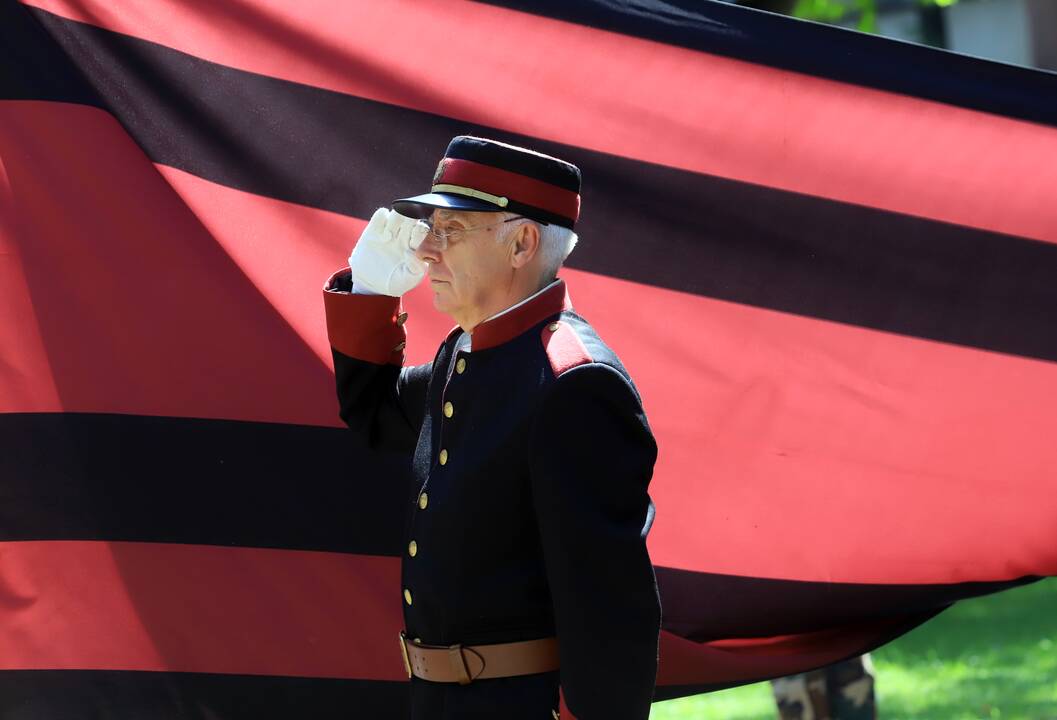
x,y
528,511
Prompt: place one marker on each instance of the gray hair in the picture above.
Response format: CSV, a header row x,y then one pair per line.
x,y
556,242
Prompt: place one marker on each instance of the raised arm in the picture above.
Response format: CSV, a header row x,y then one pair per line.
x,y
377,397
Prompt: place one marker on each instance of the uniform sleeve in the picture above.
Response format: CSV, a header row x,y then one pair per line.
x,y
377,397
592,459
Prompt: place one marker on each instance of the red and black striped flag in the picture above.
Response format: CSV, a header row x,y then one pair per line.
x,y
829,261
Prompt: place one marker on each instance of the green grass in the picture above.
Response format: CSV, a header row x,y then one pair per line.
x,y
991,658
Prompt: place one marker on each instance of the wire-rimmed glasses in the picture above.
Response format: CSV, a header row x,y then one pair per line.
x,y
442,238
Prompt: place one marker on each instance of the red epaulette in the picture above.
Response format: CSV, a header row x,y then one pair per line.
x,y
564,348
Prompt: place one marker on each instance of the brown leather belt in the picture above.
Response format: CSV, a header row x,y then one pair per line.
x,y
465,663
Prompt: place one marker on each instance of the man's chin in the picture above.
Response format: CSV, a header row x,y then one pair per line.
x,y
441,299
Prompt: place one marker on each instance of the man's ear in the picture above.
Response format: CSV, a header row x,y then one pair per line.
x,y
525,245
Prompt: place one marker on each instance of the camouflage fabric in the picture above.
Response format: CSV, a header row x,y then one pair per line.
x,y
842,691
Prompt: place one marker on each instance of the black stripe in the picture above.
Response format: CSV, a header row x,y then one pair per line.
x,y
708,606
74,476
114,695
863,637
218,482
643,222
120,695
821,50
215,482
32,65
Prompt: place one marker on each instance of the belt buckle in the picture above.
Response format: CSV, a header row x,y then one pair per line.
x,y
403,653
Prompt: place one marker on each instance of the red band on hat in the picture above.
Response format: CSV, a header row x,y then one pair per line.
x,y
516,187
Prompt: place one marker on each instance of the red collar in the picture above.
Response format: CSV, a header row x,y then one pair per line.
x,y
514,322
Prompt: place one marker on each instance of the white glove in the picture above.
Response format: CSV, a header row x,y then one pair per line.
x,y
383,262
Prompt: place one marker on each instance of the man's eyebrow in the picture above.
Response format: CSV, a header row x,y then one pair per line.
x,y
450,215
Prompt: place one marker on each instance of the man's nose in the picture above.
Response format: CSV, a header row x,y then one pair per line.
x,y
430,249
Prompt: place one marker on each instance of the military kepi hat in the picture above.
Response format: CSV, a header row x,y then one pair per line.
x,y
479,174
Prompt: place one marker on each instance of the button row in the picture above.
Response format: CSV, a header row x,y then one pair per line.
x,y
449,410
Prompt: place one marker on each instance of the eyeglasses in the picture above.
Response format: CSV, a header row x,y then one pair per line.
x,y
445,237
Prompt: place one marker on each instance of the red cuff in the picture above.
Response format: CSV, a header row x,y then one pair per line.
x,y
365,327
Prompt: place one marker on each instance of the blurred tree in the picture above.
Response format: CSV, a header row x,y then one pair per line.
x,y
832,11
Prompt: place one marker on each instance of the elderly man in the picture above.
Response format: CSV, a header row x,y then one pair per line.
x,y
525,565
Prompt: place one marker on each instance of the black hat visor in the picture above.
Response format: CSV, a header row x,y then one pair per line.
x,y
420,206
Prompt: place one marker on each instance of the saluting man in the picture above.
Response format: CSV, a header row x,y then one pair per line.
x,y
526,562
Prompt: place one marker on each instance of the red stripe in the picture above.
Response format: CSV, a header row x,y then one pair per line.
x,y
779,433
933,463
145,306
519,188
25,380
72,605
630,97
190,608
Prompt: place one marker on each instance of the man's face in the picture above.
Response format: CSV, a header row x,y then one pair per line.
x,y
473,268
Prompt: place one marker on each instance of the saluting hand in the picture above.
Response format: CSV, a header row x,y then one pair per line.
x,y
383,262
